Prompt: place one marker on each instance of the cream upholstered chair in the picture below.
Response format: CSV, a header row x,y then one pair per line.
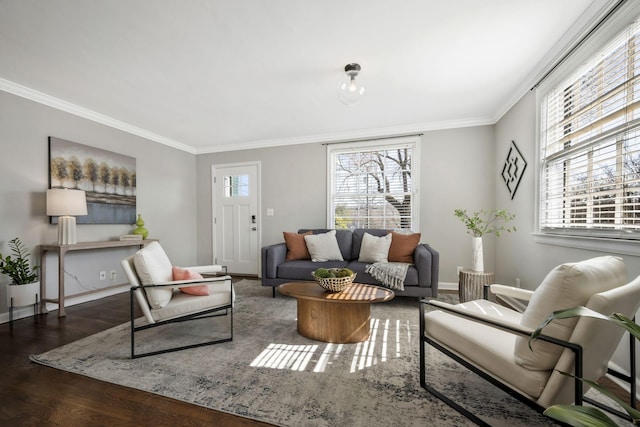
x,y
150,275
493,341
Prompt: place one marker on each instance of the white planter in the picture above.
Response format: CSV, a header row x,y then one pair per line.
x,y
477,258
23,294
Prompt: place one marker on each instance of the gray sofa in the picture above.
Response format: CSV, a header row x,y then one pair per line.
x,y
421,280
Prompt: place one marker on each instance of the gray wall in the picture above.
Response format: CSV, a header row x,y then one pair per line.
x,y
457,170
517,254
166,190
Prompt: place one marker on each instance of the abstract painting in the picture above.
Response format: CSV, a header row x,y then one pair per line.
x,y
109,180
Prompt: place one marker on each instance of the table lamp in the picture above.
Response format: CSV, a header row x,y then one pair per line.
x,y
64,203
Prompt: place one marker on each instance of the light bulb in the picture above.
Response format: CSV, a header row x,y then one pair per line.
x,y
349,91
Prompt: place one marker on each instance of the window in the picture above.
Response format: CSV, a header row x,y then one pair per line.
x,y
236,186
590,146
373,184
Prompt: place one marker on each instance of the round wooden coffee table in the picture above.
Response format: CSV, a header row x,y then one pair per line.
x,y
341,317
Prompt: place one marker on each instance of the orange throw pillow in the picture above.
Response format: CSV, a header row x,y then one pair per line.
x,y
184,274
296,246
403,246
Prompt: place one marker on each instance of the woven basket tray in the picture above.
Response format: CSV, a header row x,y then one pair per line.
x,y
334,284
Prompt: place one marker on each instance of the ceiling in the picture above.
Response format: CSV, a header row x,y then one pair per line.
x,y
214,75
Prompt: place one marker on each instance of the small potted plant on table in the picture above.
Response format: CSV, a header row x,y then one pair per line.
x,y
24,287
484,222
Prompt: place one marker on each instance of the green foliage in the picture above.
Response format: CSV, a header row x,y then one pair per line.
x,y
483,222
18,268
344,272
341,223
323,273
332,272
579,416
576,415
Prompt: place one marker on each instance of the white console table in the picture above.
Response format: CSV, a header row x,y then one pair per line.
x,y
61,251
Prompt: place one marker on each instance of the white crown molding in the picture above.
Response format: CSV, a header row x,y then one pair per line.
x,y
59,104
350,135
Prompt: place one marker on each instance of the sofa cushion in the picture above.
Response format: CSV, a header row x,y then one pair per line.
x,y
566,286
296,246
374,249
153,267
323,247
403,246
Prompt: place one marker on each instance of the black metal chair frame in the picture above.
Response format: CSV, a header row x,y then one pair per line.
x,y
578,369
212,312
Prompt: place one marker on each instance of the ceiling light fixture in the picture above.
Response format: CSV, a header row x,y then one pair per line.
x,y
349,91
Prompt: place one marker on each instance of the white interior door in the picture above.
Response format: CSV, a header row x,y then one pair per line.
x,y
236,219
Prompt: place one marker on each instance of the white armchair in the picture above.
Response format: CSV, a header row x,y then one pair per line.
x,y
150,275
493,341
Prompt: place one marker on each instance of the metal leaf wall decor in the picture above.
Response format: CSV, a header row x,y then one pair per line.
x,y
513,169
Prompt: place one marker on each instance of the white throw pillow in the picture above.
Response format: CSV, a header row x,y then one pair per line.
x,y
153,267
323,247
566,286
374,249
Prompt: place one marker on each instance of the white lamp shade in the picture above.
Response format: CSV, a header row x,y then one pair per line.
x,y
61,201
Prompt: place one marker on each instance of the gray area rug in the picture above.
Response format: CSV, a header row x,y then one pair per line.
x,y
270,373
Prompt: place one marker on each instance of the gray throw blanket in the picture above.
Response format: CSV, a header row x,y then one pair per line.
x,y
390,274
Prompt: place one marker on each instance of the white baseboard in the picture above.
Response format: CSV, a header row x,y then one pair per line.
x,y
447,286
23,312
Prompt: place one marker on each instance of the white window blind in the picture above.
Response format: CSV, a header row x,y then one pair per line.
x,y
590,145
372,186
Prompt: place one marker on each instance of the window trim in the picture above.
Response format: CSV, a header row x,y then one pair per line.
x,y
382,143
574,238
600,244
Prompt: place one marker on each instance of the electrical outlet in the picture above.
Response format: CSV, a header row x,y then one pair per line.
x,y
517,282
114,274
103,275
458,270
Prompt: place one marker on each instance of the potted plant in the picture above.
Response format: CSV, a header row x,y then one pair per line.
x,y
24,287
483,222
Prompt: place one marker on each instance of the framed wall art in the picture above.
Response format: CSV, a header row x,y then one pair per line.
x,y
513,169
109,180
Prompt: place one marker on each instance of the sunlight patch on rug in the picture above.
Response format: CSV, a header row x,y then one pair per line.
x,y
285,356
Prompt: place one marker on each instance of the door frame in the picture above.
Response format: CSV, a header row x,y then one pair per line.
x,y
214,169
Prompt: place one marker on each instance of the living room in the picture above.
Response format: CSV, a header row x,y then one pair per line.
x,y
461,158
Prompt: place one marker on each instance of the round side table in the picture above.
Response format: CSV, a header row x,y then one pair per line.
x,y
471,284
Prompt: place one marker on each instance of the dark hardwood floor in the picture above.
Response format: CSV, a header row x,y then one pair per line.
x,y
34,395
